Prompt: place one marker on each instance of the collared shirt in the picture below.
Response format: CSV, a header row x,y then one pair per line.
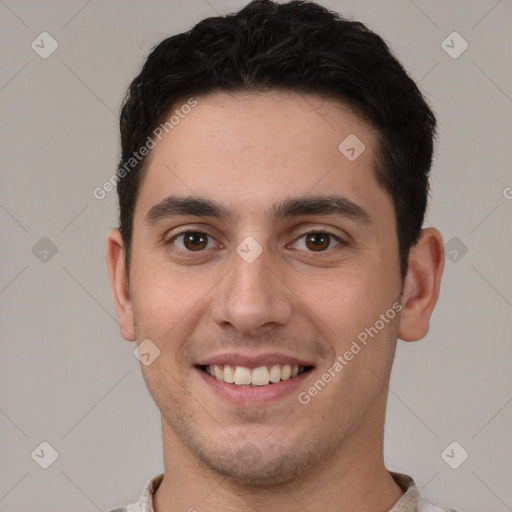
x,y
409,502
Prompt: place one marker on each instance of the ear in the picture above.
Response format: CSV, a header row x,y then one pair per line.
x,y
422,283
120,283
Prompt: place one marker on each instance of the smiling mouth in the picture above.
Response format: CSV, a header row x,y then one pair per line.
x,y
254,377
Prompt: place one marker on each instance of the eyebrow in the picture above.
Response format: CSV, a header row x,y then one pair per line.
x,y
293,207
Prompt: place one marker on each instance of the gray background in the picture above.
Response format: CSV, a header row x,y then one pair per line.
x,y
66,375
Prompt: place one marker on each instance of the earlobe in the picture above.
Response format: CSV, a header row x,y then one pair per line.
x,y
120,283
422,284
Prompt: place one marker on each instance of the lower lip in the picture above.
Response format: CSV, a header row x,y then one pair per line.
x,y
241,395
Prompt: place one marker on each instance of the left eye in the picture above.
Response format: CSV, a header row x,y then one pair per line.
x,y
316,242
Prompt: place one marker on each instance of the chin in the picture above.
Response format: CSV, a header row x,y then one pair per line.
x,y
259,465
266,473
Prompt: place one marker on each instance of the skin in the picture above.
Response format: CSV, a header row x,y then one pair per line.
x,y
248,151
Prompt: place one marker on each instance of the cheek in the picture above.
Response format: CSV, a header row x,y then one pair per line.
x,y
344,302
167,301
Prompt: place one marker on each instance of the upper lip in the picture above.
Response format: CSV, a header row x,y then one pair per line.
x,y
253,361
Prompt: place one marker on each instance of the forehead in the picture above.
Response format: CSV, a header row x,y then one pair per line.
x,y
252,149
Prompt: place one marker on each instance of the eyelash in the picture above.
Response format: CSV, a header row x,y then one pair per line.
x,y
340,242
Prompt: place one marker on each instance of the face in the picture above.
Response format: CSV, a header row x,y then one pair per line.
x,y
261,253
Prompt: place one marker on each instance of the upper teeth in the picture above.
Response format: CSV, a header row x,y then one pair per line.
x,y
260,376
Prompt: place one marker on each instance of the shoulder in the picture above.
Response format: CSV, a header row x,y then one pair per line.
x,y
135,507
428,506
145,501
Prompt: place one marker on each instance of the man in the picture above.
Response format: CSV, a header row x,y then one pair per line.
x,y
272,186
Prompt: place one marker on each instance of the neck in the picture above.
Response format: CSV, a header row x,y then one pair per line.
x,y
355,478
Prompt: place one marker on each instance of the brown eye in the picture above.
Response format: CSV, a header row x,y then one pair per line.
x,y
188,242
195,241
317,241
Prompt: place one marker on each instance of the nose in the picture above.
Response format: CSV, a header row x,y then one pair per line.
x,y
252,296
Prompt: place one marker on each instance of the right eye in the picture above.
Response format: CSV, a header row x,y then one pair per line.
x,y
192,241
